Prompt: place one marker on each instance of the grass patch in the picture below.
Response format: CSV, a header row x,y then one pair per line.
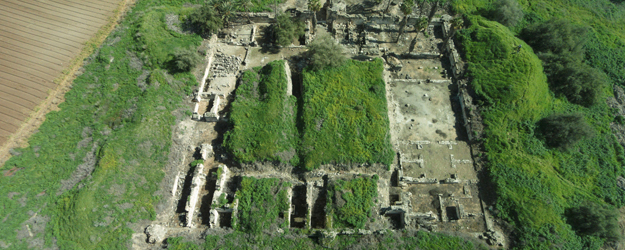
x,y
345,115
263,118
350,202
263,203
116,120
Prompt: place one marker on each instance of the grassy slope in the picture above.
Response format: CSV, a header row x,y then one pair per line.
x,y
131,129
263,117
345,115
535,184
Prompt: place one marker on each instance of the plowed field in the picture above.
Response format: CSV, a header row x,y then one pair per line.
x,y
38,39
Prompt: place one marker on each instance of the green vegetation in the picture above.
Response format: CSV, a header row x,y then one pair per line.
x,y
390,240
324,52
286,30
594,219
263,118
564,131
206,19
197,162
508,12
186,59
345,116
117,120
257,5
350,202
261,202
535,185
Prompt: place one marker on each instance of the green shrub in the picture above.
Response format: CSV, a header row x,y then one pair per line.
x,y
286,29
578,82
564,131
508,12
345,115
557,36
324,52
186,59
206,19
595,220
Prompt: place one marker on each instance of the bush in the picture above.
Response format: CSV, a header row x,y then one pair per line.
x,y
186,59
324,52
508,12
556,36
285,30
206,19
564,131
578,82
595,220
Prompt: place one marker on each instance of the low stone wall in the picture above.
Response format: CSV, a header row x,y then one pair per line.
x,y
199,179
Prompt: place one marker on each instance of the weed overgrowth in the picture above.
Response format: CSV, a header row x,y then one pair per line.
x,y
263,118
345,115
356,200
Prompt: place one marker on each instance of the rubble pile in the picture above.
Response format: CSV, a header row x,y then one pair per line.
x,y
225,65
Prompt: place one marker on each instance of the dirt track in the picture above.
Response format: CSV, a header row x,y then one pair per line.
x,y
38,40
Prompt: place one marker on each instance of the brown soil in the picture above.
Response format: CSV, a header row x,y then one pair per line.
x,y
43,46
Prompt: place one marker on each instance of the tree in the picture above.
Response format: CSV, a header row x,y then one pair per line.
x,y
246,5
285,30
206,19
406,8
594,219
508,12
578,82
556,36
324,52
185,59
314,6
564,130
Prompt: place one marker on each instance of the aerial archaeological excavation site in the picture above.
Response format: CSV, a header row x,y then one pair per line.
x,y
315,124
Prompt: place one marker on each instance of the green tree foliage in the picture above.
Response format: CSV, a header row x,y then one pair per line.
x,y
556,36
564,131
286,29
507,12
578,82
206,19
324,52
186,59
595,220
560,45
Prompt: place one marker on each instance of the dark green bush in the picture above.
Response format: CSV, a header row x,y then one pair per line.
x,y
595,220
186,59
508,12
286,29
557,36
206,19
564,131
324,52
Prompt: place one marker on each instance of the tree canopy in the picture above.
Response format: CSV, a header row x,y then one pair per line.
x,y
564,130
325,52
